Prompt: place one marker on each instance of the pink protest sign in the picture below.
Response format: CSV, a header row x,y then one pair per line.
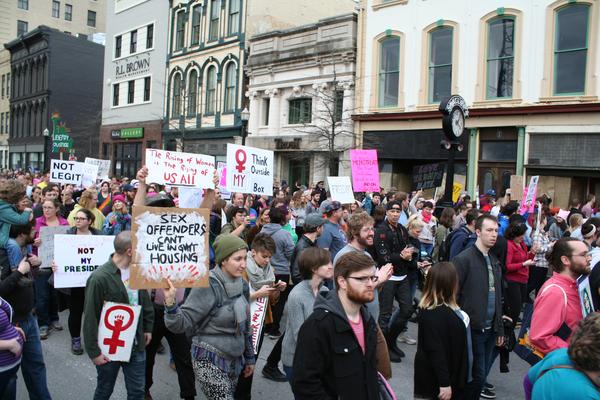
x,y
365,170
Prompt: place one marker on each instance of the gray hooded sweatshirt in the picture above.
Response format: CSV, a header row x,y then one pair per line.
x,y
285,248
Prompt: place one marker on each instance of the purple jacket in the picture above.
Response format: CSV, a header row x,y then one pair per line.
x,y
7,332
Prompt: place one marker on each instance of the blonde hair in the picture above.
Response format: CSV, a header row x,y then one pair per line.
x,y
87,199
440,288
414,222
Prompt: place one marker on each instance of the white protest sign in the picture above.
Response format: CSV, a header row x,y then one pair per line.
x,y
249,170
62,171
116,330
103,167
82,256
46,249
180,169
258,310
90,175
340,188
190,197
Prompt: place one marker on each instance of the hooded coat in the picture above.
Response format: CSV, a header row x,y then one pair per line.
x,y
285,247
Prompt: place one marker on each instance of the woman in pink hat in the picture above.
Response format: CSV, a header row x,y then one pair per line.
x,y
559,227
119,219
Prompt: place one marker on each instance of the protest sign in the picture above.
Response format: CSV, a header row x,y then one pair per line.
x,y
90,175
46,249
169,243
365,170
340,189
585,295
249,170
258,310
66,172
428,176
190,197
222,171
180,169
103,167
529,196
116,330
456,191
83,255
516,187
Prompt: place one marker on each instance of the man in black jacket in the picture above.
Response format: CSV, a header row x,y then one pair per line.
x,y
336,350
480,296
313,226
391,245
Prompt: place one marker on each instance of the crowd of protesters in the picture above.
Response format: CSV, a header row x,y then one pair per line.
x,y
342,282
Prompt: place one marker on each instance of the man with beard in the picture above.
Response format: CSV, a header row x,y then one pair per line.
x,y
557,309
480,296
336,349
314,203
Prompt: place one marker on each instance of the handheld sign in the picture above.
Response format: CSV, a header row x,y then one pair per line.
x,y
516,187
428,176
190,197
103,167
46,249
90,175
116,330
169,243
365,170
249,170
585,295
67,172
258,310
222,171
529,196
82,256
180,169
340,189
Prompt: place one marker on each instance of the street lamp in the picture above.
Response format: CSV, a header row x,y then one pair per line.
x,y
46,134
245,116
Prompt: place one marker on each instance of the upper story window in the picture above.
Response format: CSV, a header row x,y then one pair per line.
x,y
180,34
149,36
571,49
133,41
22,27
500,58
118,44
338,105
115,94
193,94
215,11
389,72
230,87
23,4
130,92
300,111
211,90
55,9
196,15
176,106
91,19
68,12
147,82
440,64
233,21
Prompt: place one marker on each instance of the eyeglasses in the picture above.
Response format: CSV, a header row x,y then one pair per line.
x,y
80,219
364,279
586,255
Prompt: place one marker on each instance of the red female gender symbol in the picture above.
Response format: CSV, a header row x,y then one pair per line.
x,y
113,342
240,161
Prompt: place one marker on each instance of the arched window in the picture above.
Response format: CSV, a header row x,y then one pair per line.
x,y
500,58
440,63
192,93
176,107
211,90
389,72
230,87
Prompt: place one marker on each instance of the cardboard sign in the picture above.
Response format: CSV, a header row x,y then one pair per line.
x,y
516,187
82,256
46,249
103,167
456,191
180,169
66,172
90,175
249,170
585,296
428,176
340,189
169,243
365,170
258,310
190,197
529,196
116,330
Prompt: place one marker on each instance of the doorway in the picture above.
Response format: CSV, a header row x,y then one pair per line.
x,y
299,170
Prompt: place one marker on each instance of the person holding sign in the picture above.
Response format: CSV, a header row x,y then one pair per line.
x,y
110,283
119,219
218,318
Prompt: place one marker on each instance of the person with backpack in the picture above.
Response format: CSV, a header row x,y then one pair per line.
x,y
217,318
444,228
464,237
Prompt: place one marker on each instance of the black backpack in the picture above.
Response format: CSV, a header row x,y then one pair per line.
x,y
444,253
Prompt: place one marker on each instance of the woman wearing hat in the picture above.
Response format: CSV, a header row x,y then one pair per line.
x,y
119,219
218,319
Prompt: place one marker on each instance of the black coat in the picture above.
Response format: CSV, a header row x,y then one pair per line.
x,y
329,363
442,357
388,242
303,244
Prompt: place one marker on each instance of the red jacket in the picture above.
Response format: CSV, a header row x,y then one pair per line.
x,y
516,255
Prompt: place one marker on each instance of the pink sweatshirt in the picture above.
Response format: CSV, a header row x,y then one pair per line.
x,y
549,313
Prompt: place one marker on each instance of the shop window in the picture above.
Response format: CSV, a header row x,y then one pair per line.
x,y
500,150
127,158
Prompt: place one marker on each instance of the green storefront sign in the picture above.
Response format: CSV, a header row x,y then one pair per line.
x,y
128,133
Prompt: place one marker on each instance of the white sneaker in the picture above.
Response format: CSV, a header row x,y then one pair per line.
x,y
404,338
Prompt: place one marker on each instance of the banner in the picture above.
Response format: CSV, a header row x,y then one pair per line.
x,y
180,169
66,172
529,196
428,176
169,243
365,170
116,330
90,175
46,249
340,189
103,167
249,170
82,255
258,310
190,197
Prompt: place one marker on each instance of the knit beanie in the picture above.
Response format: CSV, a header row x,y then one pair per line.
x,y
225,245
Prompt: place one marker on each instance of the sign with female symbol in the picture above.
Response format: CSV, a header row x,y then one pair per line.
x,y
116,331
249,170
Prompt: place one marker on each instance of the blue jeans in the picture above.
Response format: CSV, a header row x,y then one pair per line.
x,y
32,361
134,372
483,347
427,247
46,299
8,383
289,374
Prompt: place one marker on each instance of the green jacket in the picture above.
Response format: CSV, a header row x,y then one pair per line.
x,y
10,216
105,284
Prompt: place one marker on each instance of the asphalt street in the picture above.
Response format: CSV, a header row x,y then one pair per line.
x,y
73,377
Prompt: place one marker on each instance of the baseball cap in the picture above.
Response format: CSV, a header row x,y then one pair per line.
x,y
127,188
313,221
329,206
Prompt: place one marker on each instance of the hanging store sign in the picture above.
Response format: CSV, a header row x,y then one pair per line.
x,y
127,133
